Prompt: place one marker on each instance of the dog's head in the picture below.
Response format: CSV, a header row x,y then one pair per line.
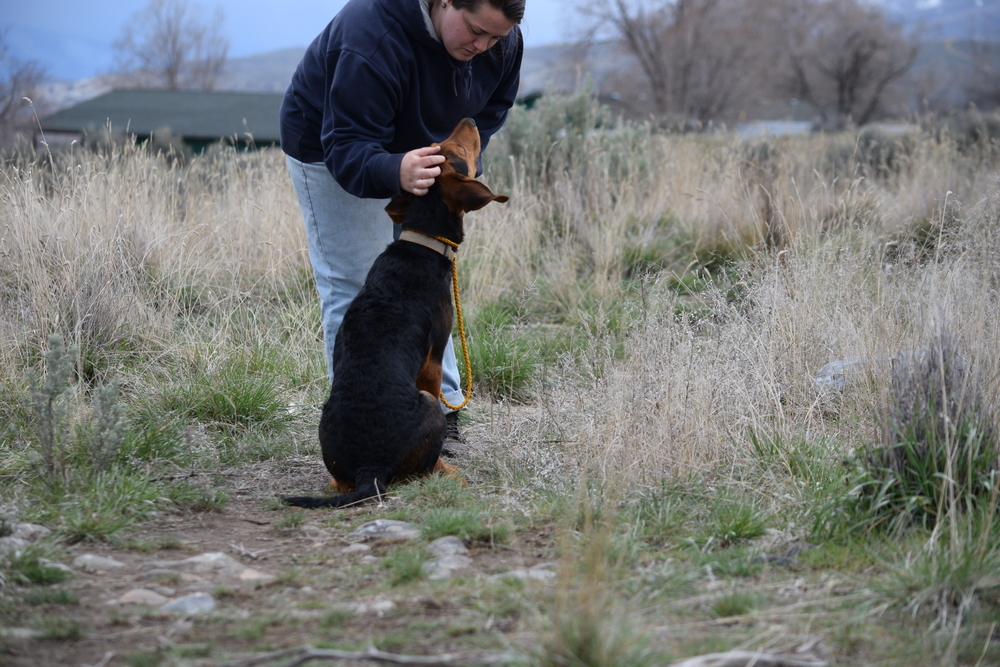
x,y
460,189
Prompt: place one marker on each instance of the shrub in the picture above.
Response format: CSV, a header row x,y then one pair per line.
x,y
939,442
63,453
561,136
883,154
972,131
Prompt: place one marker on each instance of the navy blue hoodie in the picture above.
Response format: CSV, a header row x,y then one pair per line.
x,y
375,85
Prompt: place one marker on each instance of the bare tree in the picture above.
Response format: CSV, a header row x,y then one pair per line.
x,y
640,30
983,86
842,56
696,57
167,45
18,80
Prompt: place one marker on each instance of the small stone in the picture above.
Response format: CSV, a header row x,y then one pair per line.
x,y
447,546
250,574
448,566
211,561
56,566
165,591
314,532
142,596
172,576
189,605
14,546
378,607
206,563
92,563
19,633
369,560
541,572
389,529
356,548
30,531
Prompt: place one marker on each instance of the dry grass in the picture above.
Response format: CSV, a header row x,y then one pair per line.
x,y
681,296
109,250
129,258
858,266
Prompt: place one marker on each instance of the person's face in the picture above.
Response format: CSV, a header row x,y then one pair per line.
x,y
466,34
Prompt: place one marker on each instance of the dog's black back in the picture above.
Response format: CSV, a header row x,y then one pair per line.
x,y
376,422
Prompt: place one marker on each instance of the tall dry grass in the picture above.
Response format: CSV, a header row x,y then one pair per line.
x,y
805,252
835,255
112,250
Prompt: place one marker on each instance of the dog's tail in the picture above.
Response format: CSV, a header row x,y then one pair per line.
x,y
368,485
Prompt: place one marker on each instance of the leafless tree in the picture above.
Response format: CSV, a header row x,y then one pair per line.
x,y
167,45
842,56
983,86
18,80
694,55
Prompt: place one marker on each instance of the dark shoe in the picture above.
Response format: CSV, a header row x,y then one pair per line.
x,y
454,441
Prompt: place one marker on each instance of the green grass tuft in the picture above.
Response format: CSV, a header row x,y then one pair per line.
x,y
467,525
406,565
737,603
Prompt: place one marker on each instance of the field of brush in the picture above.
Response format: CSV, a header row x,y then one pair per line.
x,y
647,317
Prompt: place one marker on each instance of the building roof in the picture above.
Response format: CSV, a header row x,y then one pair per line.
x,y
194,115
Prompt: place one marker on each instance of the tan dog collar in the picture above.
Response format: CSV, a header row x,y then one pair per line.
x,y
428,242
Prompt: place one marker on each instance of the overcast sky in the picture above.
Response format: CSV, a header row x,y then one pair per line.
x,y
72,38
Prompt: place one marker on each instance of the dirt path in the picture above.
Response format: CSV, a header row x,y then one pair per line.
x,y
278,578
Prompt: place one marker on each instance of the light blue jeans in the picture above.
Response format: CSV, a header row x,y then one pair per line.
x,y
345,234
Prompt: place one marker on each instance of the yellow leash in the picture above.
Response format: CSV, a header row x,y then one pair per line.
x,y
461,325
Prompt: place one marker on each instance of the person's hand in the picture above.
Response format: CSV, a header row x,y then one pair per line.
x,y
419,168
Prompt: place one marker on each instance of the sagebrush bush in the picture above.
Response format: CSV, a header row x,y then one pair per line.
x,y
567,138
973,132
72,443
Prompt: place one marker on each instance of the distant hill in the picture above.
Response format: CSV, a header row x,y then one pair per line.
x,y
948,19
270,73
542,66
262,73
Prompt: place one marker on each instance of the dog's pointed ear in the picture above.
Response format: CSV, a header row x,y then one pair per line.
x,y
398,207
468,193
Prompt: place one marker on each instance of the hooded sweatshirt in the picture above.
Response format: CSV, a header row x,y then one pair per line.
x,y
376,84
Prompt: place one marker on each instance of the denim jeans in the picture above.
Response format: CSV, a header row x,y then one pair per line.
x,y
345,234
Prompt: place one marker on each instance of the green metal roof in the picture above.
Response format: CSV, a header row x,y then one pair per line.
x,y
194,115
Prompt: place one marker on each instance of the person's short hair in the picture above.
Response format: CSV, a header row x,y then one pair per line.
x,y
512,9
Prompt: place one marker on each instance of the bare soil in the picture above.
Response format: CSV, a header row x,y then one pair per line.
x,y
319,596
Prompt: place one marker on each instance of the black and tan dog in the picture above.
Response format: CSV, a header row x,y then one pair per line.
x,y
383,422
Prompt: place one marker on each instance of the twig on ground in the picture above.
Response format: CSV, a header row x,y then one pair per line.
x,y
253,555
304,654
255,522
190,474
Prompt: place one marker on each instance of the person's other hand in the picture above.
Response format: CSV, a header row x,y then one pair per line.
x,y
419,168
